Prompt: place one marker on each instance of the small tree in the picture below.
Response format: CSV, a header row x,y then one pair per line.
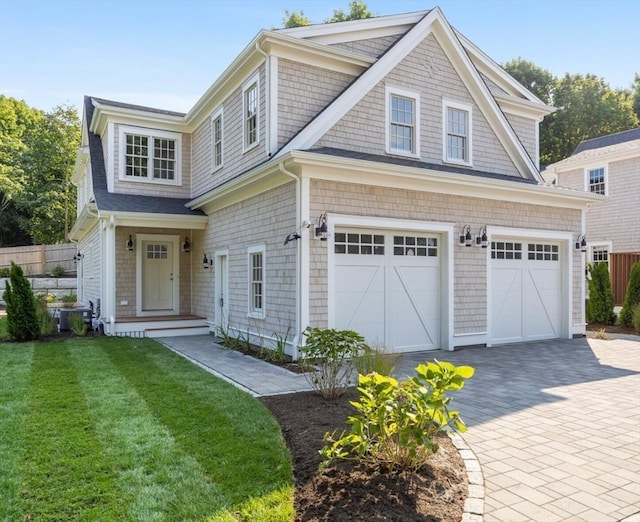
x,y
22,319
600,305
631,296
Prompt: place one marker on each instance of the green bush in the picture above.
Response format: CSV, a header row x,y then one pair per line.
x,y
70,299
46,321
636,318
332,354
77,324
22,322
58,271
600,304
377,360
631,296
397,422
5,271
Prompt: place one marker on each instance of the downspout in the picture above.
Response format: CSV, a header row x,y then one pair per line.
x,y
298,327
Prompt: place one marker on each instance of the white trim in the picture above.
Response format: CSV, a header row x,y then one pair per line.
x,y
256,249
272,103
591,245
221,291
305,255
462,107
587,178
254,80
111,160
566,251
218,113
175,242
446,261
390,91
151,134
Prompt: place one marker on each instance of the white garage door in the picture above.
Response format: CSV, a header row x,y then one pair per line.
x,y
387,287
526,289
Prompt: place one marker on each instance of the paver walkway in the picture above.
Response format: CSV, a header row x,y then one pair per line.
x,y
554,424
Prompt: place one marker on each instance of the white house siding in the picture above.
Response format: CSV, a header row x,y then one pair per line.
x,y
525,129
265,219
235,160
90,269
493,88
149,188
303,91
427,71
470,264
371,47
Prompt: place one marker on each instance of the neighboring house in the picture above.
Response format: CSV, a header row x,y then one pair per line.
x,y
327,178
609,165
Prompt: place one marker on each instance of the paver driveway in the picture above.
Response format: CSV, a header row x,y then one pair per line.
x,y
555,426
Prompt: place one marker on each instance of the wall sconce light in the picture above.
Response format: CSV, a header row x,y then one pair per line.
x,y
130,243
186,246
322,231
465,237
206,263
581,243
481,239
78,257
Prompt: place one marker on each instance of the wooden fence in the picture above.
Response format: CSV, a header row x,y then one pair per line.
x,y
619,270
40,259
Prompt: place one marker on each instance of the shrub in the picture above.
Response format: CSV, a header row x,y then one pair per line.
x,y
77,324
5,271
631,296
397,422
600,304
58,271
46,321
332,354
377,360
22,323
70,299
636,318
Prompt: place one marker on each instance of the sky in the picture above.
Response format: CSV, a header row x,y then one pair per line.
x,y
167,53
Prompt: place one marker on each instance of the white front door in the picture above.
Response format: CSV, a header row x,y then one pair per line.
x,y
526,290
387,287
221,290
157,275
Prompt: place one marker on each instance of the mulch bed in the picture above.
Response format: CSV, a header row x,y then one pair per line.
x,y
611,329
353,493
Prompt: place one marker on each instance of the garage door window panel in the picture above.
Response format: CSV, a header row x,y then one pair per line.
x,y
359,244
506,250
420,246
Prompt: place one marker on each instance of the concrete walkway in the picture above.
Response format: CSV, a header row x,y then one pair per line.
x,y
554,424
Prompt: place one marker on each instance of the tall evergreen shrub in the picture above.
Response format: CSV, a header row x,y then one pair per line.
x,y
600,305
22,321
631,296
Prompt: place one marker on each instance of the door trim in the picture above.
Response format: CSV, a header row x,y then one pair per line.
x,y
221,288
174,240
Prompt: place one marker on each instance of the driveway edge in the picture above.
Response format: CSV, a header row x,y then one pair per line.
x,y
474,505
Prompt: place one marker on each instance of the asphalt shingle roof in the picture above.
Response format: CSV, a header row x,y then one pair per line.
x,y
608,140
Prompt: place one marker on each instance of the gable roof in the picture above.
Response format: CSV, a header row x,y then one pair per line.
x,y
432,22
608,140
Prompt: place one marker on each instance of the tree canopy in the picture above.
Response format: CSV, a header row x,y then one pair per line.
x,y
357,11
37,155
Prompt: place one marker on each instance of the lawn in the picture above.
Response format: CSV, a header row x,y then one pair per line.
x,y
124,429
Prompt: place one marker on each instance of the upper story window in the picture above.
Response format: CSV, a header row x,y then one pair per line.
x,y
256,281
150,156
402,122
596,181
457,133
216,141
250,111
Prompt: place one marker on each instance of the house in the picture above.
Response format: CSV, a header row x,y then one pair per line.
x,y
608,165
379,175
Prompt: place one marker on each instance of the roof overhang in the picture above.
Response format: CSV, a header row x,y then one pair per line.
x,y
587,158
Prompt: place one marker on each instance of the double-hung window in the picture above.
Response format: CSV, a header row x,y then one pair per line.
x,y
250,111
402,122
216,141
457,133
151,156
596,181
256,281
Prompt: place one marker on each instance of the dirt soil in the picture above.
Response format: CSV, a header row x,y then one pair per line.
x,y
594,328
348,492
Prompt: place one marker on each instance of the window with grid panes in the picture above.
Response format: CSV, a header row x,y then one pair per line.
x,y
251,115
457,135
596,181
216,141
256,281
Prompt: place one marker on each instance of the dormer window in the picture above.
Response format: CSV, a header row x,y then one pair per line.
x,y
596,179
250,109
402,122
216,141
149,156
456,133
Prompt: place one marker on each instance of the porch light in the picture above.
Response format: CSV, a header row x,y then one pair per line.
x,y
322,232
465,237
130,243
77,257
205,262
481,238
581,243
186,246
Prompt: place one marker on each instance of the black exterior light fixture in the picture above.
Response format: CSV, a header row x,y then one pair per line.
x,y
481,239
205,262
465,237
186,246
581,243
322,232
130,243
77,257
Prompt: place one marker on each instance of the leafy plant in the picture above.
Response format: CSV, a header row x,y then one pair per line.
x,y
21,307
46,321
397,422
332,354
58,271
5,271
77,324
377,360
631,296
69,299
278,353
600,304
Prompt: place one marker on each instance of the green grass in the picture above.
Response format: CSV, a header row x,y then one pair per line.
x,y
123,429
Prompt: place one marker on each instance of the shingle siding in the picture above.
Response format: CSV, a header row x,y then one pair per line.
x,y
372,47
525,129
